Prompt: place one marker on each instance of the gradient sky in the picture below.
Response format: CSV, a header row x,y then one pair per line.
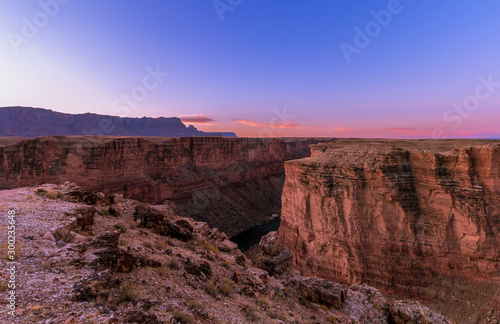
x,y
269,68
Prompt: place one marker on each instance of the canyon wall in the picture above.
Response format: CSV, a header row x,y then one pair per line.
x,y
417,218
232,183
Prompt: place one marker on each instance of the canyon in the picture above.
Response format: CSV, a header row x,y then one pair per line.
x,y
415,218
412,218
231,183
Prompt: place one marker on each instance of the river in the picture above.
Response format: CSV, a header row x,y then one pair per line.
x,y
252,236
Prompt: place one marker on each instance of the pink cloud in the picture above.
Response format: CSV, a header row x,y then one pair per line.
x,y
285,125
341,129
406,131
197,119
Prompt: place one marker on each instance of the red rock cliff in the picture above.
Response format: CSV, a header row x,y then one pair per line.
x,y
230,182
399,215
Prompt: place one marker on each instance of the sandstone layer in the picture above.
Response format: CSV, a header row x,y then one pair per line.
x,y
232,183
418,218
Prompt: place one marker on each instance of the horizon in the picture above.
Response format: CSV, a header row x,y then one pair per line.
x,y
223,131
385,69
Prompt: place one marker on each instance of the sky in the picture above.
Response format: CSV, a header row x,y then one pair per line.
x,y
395,69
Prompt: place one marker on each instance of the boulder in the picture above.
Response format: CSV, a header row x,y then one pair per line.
x,y
103,253
320,291
227,246
271,256
85,217
97,284
49,237
152,218
86,197
148,217
200,269
408,311
181,229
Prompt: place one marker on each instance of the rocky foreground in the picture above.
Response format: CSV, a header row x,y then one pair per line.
x,y
415,218
90,258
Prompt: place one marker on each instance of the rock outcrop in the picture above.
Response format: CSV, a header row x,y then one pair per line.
x,y
232,183
409,217
128,272
271,256
35,122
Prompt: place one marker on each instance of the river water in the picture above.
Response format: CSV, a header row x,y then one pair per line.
x,y
252,236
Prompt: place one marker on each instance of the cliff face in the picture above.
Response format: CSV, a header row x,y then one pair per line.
x,y
232,183
34,122
406,216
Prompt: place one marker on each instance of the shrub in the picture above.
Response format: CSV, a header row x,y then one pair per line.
x,y
210,256
263,302
148,245
250,312
195,304
225,263
272,314
227,286
54,194
206,245
132,223
211,289
122,242
331,319
161,245
173,264
131,291
183,318
163,270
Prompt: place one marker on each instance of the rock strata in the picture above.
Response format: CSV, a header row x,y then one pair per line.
x,y
231,183
411,217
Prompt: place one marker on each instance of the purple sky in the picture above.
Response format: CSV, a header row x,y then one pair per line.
x,y
401,69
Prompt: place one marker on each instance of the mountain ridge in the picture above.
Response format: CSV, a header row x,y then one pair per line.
x,y
35,122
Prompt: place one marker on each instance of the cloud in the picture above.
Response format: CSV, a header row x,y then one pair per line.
x,y
341,129
197,119
285,125
407,131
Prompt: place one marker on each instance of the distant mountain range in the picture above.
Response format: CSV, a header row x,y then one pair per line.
x,y
34,122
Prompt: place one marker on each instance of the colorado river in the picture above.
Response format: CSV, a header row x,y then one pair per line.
x,y
252,236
